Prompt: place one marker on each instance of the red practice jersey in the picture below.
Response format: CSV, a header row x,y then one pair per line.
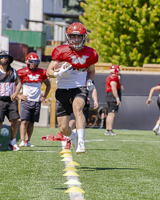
x,y
32,82
108,81
78,59
26,75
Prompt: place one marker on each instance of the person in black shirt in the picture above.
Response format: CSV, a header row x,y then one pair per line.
x,y
10,85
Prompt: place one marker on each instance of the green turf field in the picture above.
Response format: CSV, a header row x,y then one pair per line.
x,y
125,166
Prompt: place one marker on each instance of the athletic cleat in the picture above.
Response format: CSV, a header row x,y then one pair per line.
x,y
106,133
13,145
22,143
110,132
28,144
81,147
156,130
74,141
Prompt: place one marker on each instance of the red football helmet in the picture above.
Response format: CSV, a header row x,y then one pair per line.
x,y
114,69
32,61
76,29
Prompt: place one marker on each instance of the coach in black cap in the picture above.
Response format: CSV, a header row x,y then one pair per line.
x,y
10,85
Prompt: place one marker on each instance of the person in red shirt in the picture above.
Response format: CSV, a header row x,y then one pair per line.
x,y
113,90
32,78
71,93
156,128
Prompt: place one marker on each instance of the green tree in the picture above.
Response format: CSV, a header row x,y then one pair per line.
x,y
125,32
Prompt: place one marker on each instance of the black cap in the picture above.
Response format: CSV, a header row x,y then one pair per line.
x,y
6,53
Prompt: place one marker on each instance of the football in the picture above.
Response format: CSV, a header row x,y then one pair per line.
x,y
4,132
57,68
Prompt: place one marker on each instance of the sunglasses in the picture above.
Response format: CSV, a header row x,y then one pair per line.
x,y
3,57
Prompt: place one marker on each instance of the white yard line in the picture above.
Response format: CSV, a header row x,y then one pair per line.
x,y
103,140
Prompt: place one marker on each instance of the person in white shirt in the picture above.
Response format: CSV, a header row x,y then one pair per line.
x,y
32,78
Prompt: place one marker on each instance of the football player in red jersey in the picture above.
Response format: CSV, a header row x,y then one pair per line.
x,y
32,78
71,94
10,85
113,90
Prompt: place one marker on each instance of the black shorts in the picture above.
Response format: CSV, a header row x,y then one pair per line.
x,y
64,99
112,107
30,111
9,109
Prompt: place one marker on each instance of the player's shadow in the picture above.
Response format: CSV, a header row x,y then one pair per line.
x,y
46,146
103,149
37,150
60,188
105,168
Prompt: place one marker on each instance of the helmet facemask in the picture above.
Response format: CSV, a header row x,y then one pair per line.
x,y
76,29
80,44
33,64
32,61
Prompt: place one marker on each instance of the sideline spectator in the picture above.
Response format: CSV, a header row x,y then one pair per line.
x,y
10,85
71,94
72,122
32,78
156,129
113,90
